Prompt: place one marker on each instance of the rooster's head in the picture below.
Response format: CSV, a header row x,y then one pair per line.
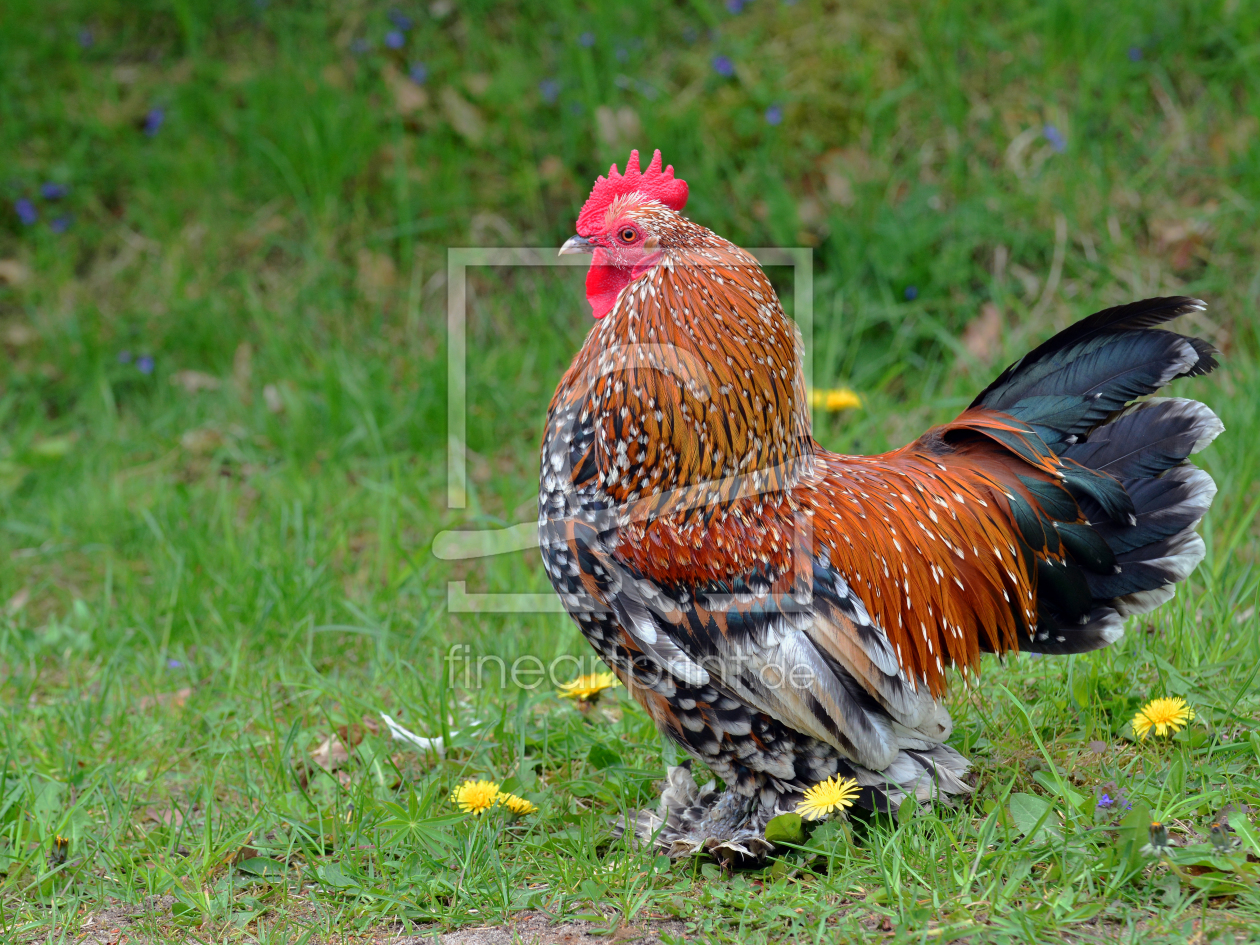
x,y
624,223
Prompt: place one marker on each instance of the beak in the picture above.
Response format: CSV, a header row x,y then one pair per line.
x,y
576,244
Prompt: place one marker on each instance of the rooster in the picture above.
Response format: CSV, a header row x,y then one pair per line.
x,y
786,614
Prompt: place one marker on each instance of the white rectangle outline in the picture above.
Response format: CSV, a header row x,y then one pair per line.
x,y
458,260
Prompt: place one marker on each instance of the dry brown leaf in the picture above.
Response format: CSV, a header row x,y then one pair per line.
x,y
463,115
409,98
13,271
195,381
840,188
169,816
477,83
19,335
201,441
271,395
619,128
983,336
242,371
1181,240
351,734
551,169
17,601
371,725
177,699
331,754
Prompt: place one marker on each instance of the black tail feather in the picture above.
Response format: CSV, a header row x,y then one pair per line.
x,y
1124,463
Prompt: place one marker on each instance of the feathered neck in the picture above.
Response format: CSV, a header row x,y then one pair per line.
x,y
693,382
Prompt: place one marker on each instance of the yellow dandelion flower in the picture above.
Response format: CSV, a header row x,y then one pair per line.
x,y
517,805
1162,715
473,797
587,688
834,794
837,398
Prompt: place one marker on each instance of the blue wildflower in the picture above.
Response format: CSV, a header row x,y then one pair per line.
x,y
400,20
723,66
173,664
911,293
153,120
394,39
550,90
774,114
26,211
587,39
1135,54
418,73
622,54
60,224
52,191
86,39
734,6
124,357
1105,802
144,364
1055,137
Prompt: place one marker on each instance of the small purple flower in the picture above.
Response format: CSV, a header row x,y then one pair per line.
x,y
153,120
60,224
622,54
400,20
1135,54
144,364
394,39
734,6
723,66
774,114
549,89
587,39
26,211
174,664
418,73
1105,802
86,39
911,293
52,191
1055,137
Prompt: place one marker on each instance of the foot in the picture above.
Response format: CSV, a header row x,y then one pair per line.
x,y
690,820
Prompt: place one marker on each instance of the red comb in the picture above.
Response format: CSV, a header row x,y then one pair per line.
x,y
657,184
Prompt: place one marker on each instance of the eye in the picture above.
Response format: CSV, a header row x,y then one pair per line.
x,y
628,234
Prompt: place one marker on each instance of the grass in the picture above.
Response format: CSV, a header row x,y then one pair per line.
x,y
209,568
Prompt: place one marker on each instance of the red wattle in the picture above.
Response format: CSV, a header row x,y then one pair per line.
x,y
602,285
604,282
